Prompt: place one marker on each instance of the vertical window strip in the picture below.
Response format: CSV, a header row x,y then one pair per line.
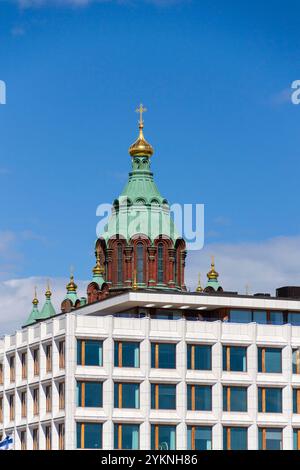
x,y
120,395
156,355
228,358
120,354
193,398
298,400
263,400
193,357
228,434
263,360
82,436
193,438
228,397
83,352
156,391
156,436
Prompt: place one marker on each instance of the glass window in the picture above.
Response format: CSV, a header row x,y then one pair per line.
x,y
127,395
199,397
240,316
126,436
89,436
127,354
234,398
294,319
296,361
120,264
276,318
269,360
163,356
235,358
260,316
163,397
163,437
296,400
199,437
296,439
89,394
235,438
160,263
140,262
269,400
199,357
270,439
89,352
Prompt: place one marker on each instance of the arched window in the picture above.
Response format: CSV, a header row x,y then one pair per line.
x,y
160,263
140,263
119,264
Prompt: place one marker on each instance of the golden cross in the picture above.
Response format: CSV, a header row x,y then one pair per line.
x,y
141,110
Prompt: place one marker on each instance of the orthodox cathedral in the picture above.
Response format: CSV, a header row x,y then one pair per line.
x,y
146,255
142,363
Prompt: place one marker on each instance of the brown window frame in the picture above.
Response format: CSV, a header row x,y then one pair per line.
x,y
61,436
48,395
24,365
36,361
61,395
12,369
49,358
12,407
36,400
23,404
23,440
35,439
48,437
61,353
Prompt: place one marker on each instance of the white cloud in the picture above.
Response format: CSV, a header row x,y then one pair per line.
x,y
263,266
17,294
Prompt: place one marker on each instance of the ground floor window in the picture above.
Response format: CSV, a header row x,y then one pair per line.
x,y
296,439
199,437
126,436
89,436
235,438
270,439
163,437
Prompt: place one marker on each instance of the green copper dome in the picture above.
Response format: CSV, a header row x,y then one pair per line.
x,y
48,310
140,208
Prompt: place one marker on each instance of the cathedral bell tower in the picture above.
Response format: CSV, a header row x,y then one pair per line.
x,y
139,247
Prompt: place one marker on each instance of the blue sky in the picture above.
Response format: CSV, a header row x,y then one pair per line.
x,y
215,77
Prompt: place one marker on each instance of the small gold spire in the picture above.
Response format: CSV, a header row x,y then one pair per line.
x,y
212,274
199,288
35,300
48,292
141,146
134,285
98,270
71,286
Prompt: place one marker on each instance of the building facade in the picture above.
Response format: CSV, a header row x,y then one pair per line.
x,y
139,362
146,370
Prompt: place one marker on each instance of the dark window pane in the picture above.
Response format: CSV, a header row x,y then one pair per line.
x,y
92,438
260,316
240,316
203,397
272,360
273,439
238,358
130,354
238,438
276,318
93,394
130,436
167,397
140,262
202,436
166,437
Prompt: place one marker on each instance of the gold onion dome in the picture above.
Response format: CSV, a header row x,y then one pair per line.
x,y
141,146
212,274
199,288
35,300
98,269
48,292
71,286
